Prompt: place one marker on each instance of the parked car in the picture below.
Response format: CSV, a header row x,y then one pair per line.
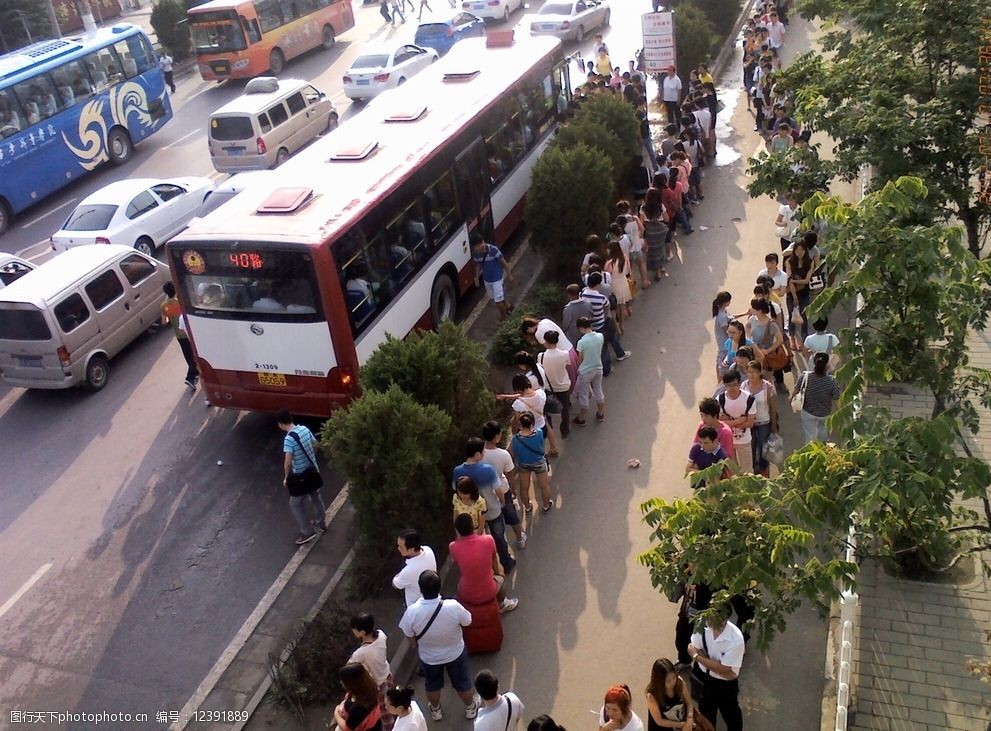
x,y
492,9
443,30
140,212
570,20
226,190
376,71
13,268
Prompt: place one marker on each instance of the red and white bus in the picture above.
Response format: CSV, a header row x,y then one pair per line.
x,y
290,286
239,39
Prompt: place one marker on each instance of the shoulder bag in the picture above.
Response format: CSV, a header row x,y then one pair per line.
x,y
307,481
419,635
509,711
798,400
552,405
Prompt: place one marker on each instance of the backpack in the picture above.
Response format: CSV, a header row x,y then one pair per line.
x,y
721,398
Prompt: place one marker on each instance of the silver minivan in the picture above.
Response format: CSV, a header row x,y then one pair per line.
x,y
61,323
269,122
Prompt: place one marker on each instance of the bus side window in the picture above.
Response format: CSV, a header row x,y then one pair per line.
x,y
11,116
363,266
39,99
269,14
72,81
440,203
251,29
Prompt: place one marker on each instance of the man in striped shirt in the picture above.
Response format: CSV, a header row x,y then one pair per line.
x,y
602,321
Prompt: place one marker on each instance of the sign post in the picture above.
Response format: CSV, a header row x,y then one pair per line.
x,y
658,41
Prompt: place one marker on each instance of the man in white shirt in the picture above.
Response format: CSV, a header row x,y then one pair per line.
x,y
671,95
739,413
502,462
718,655
419,558
775,32
555,361
774,271
434,626
499,711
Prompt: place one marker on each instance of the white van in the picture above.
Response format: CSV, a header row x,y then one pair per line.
x,y
268,123
62,323
13,268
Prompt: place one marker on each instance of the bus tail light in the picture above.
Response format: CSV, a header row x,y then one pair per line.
x,y
261,146
102,240
344,378
63,356
382,77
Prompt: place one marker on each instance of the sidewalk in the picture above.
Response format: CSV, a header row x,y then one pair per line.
x,y
914,637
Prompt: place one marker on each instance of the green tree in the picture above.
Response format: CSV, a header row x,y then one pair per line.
x,y
167,18
695,37
721,13
389,446
618,117
442,368
569,198
594,134
897,98
799,170
23,22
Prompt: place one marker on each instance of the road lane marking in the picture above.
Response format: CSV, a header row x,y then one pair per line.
x,y
44,244
184,137
7,605
252,622
43,216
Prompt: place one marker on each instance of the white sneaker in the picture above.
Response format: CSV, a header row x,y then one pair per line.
x,y
626,354
508,605
470,711
436,712
521,543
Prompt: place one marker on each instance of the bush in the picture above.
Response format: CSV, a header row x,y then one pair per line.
x,y
721,13
443,368
508,340
549,300
167,18
389,446
569,198
593,133
620,119
696,37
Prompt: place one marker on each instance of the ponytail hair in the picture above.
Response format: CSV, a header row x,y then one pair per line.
x,y
722,299
820,361
401,697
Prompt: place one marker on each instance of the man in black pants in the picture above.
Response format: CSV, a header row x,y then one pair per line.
x,y
717,652
172,315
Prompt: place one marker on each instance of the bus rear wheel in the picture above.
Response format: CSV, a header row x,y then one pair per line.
x,y
443,299
119,146
328,37
5,216
276,62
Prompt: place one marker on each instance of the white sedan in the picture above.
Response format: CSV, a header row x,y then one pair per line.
x,y
375,71
570,20
492,9
140,212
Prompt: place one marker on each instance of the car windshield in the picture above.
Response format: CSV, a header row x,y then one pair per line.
x,y
432,29
90,217
372,61
555,9
216,32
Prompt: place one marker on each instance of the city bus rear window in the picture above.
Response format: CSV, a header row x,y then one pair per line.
x,y
23,325
249,283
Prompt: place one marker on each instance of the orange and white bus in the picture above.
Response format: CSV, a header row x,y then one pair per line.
x,y
290,286
239,39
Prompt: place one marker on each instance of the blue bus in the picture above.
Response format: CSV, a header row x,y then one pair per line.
x,y
69,105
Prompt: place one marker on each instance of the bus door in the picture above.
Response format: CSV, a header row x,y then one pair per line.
x,y
474,185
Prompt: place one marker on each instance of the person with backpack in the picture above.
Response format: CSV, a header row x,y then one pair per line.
x,y
738,412
302,478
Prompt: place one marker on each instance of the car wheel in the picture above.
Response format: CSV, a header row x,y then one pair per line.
x,y
443,299
281,156
276,62
97,373
332,121
5,215
119,146
605,18
328,37
505,15
580,34
145,245
402,80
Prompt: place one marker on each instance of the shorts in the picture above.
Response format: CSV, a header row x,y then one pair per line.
x,y
457,671
537,468
495,291
636,256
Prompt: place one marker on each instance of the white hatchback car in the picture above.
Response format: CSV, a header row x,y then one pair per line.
x,y
141,212
386,68
492,9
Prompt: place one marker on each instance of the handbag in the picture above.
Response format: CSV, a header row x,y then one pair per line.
x,y
796,316
817,282
777,359
307,481
798,400
632,283
782,232
774,449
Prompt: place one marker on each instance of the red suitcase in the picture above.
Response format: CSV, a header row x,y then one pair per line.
x,y
484,634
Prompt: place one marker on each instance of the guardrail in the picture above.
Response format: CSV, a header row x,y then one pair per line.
x,y
849,602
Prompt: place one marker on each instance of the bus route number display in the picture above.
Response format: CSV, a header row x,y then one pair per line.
x,y
245,260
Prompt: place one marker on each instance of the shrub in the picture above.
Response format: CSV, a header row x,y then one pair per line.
x,y
167,18
569,198
619,118
508,340
696,37
721,13
593,133
549,300
388,446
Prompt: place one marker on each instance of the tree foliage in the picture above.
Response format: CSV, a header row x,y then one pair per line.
x,y
22,22
595,135
721,13
617,116
569,198
167,18
898,97
797,169
695,37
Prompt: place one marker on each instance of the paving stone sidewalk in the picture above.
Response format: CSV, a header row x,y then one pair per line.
x,y
914,638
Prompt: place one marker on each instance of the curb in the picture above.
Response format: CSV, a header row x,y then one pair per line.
x,y
730,43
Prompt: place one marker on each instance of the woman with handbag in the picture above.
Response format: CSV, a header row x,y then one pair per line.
x,y
799,268
815,392
528,399
359,711
669,700
766,335
528,450
766,421
617,713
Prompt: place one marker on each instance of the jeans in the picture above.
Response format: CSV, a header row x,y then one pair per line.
x,y
497,528
192,372
300,505
682,217
814,427
610,339
674,114
758,442
589,382
565,398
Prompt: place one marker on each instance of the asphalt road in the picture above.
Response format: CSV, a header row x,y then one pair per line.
x,y
130,558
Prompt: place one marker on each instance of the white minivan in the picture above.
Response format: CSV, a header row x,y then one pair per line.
x,y
269,122
61,323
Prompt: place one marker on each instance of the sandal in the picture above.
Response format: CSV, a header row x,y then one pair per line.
x,y
529,507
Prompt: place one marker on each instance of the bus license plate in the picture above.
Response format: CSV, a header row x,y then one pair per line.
x,y
271,379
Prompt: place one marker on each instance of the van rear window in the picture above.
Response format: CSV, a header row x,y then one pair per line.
x,y
23,325
228,129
